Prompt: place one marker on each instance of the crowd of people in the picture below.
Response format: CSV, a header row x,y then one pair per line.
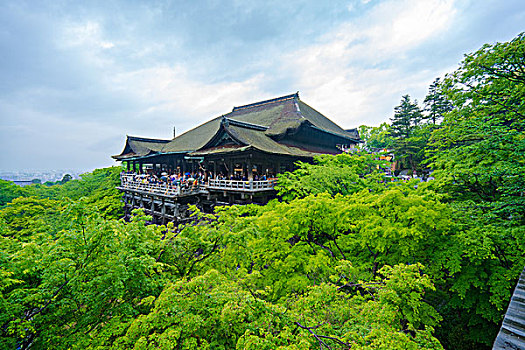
x,y
187,180
241,177
176,180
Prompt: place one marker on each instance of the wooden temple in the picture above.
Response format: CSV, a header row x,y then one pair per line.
x,y
235,157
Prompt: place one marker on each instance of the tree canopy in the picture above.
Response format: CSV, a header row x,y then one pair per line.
x,y
345,258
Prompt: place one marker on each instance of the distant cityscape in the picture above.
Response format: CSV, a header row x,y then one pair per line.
x,y
42,175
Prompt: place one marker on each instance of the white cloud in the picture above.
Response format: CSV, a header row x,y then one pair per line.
x,y
87,35
352,71
171,93
53,138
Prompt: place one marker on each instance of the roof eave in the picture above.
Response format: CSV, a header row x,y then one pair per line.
x,y
336,134
155,155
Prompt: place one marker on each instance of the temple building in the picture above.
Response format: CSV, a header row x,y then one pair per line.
x,y
236,156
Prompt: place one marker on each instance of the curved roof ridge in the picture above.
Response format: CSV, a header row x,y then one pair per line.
x,y
323,123
265,102
146,139
243,124
180,143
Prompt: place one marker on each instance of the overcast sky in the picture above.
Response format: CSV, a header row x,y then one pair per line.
x,y
77,76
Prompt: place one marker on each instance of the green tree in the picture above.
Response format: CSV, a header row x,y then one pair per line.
x,y
214,312
407,117
8,192
477,154
66,178
97,189
27,217
376,137
343,173
436,103
89,276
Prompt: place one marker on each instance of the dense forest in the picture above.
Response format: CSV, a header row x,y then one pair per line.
x,y
345,259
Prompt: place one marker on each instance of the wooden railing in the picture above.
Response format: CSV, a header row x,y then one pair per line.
x,y
132,183
249,186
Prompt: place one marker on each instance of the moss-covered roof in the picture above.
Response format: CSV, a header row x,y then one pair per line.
x,y
193,139
140,147
323,123
271,120
254,138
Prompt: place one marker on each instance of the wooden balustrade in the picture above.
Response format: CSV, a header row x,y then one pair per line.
x,y
248,185
131,182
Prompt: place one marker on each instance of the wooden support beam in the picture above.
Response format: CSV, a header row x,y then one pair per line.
x,y
163,211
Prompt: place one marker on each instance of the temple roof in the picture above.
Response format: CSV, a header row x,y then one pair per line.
x,y
246,136
140,146
260,125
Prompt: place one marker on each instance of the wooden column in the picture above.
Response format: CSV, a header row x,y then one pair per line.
x,y
249,168
163,210
153,207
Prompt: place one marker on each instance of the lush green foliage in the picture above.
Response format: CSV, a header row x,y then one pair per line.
x,y
8,192
409,137
96,188
345,260
436,103
248,277
478,156
478,151
343,174
376,137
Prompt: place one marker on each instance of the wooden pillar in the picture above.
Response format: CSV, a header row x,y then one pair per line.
x,y
153,207
176,212
249,169
163,210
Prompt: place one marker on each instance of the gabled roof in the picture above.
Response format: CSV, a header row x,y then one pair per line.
x,y
279,116
243,136
140,146
261,125
353,132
